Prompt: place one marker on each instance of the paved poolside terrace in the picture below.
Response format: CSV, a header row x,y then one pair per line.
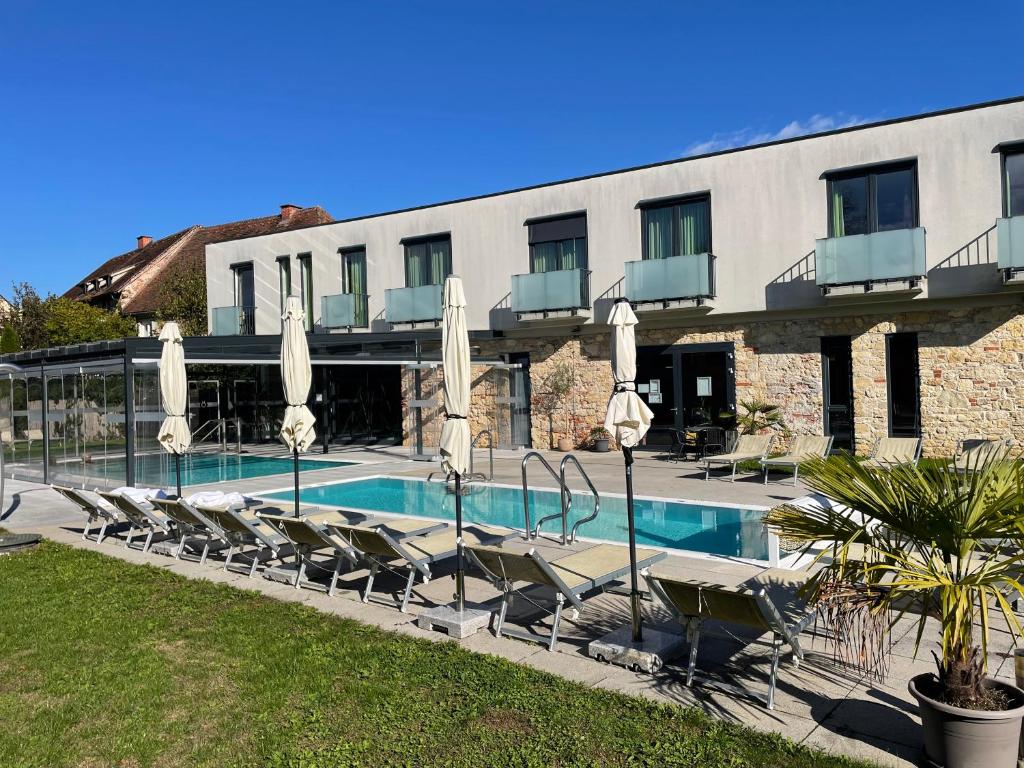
x,y
821,703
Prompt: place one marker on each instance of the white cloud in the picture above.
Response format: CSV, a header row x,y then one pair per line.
x,y
744,137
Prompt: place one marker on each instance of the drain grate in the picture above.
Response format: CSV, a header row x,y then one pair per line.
x,y
17,542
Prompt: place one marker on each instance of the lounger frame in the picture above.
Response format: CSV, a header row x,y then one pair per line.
x,y
138,518
93,510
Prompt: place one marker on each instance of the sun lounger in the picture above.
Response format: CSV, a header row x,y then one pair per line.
x,y
804,448
242,528
891,451
312,533
414,554
95,508
141,515
573,577
971,454
748,448
694,603
190,524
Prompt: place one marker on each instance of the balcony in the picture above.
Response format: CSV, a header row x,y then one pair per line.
x,y
412,306
233,321
564,293
880,262
678,282
344,310
1010,248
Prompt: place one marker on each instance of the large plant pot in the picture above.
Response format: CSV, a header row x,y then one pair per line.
x,y
601,445
564,444
967,738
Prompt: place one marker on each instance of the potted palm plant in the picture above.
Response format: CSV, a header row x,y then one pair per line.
x,y
598,439
926,541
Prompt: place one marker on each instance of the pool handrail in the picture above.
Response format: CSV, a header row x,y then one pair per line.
x,y
570,458
529,531
490,452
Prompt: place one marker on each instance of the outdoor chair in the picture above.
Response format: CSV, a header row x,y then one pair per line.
x,y
693,603
891,451
141,515
574,577
313,533
244,528
972,453
95,508
416,555
804,448
191,524
747,448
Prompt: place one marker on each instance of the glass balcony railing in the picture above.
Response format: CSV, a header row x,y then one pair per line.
x,y
677,277
564,289
344,310
1010,239
233,321
413,305
896,254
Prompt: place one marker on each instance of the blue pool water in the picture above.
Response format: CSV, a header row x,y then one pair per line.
x,y
157,470
707,528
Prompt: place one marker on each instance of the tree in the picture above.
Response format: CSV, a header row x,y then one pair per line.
x,y
183,299
9,341
75,322
29,317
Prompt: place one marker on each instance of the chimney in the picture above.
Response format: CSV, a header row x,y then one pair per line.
x,y
288,210
144,240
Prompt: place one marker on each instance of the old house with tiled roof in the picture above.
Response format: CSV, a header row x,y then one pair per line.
x,y
132,281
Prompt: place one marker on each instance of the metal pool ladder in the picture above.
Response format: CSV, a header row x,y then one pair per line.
x,y
568,536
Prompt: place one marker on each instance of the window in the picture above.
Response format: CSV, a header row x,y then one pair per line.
x,y
245,286
876,200
306,287
353,280
428,261
557,244
1013,183
284,280
904,385
680,227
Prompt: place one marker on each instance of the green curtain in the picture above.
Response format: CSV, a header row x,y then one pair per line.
x,y
355,272
416,265
692,225
544,257
838,224
659,233
571,255
440,261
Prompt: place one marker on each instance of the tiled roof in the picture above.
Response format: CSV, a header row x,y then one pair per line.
x,y
189,251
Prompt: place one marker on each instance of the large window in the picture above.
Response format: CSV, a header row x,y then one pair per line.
x,y
353,280
677,228
306,287
872,200
428,261
245,286
1013,183
557,244
284,279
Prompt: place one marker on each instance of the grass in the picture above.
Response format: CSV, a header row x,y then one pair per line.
x,y
106,663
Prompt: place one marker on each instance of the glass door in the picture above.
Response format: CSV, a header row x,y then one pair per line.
x,y
837,386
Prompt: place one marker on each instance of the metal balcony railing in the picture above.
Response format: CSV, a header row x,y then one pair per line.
x,y
1010,244
897,254
413,305
677,277
233,321
564,289
344,310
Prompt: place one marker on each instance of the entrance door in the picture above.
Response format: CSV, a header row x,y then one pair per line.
x,y
904,384
511,403
707,392
837,386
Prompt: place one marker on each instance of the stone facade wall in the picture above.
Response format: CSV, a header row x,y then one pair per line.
x,y
971,364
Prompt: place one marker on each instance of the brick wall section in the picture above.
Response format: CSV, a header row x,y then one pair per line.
x,y
971,363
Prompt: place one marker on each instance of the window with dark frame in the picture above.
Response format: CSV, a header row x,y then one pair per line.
x,y
677,227
306,287
284,279
558,243
903,382
245,285
353,280
1013,182
875,199
428,261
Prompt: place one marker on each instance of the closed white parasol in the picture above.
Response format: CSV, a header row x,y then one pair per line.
x,y
174,434
296,376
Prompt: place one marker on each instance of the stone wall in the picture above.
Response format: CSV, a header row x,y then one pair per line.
x,y
971,365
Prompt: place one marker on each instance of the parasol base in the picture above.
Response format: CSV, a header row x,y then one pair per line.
x,y
649,655
458,624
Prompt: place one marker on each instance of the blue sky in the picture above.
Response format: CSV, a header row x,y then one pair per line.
x,y
119,120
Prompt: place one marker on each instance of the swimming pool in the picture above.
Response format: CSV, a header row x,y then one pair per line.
x,y
693,526
157,469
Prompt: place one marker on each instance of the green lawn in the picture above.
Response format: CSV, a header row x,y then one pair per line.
x,y
108,663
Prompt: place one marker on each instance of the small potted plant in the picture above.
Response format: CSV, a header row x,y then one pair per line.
x,y
598,439
943,545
